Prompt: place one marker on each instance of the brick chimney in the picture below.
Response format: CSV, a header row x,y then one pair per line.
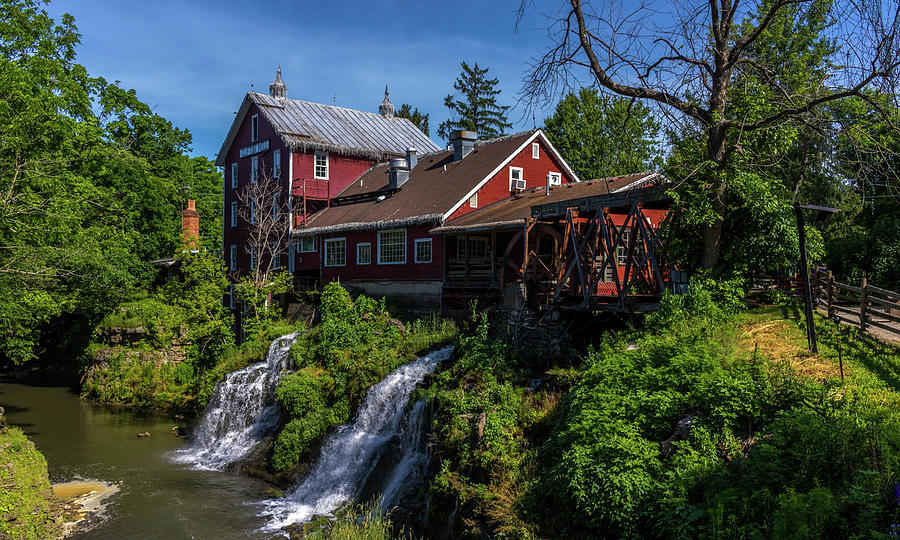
x,y
190,227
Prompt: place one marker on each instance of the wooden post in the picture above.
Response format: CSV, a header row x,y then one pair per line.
x,y
830,297
863,300
807,291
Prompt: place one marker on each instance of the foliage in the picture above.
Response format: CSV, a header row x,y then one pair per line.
x,y
91,181
766,453
28,508
356,345
258,299
476,108
357,522
416,117
602,136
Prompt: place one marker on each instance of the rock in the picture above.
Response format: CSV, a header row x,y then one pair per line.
x,y
633,346
179,431
144,434
398,324
482,420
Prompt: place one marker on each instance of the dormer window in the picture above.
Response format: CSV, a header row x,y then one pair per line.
x,y
535,150
254,128
321,166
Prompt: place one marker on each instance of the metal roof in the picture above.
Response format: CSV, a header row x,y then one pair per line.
x,y
304,125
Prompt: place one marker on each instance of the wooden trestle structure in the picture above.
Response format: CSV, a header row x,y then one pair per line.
x,y
588,273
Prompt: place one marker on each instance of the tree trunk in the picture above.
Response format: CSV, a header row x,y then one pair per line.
x,y
712,234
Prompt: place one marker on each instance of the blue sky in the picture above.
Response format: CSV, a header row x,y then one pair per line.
x,y
193,61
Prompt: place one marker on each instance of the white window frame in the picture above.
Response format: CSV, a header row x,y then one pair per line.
x,y
254,169
535,151
307,249
276,257
358,258
416,250
234,213
316,157
380,258
254,128
276,164
231,299
512,179
473,200
555,178
252,211
252,256
234,175
275,205
232,257
329,242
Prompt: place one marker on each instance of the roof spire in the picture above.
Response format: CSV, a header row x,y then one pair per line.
x,y
386,109
277,89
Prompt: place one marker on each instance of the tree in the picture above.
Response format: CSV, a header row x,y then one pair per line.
x,y
265,217
601,136
475,106
688,65
417,118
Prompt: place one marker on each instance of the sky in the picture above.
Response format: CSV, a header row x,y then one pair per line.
x,y
193,61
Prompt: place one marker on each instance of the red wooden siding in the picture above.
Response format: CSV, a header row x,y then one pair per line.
x,y
534,171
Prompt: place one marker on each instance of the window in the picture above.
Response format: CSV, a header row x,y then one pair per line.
x,y
473,201
535,150
254,169
231,299
392,246
254,127
622,248
252,257
232,257
276,164
335,252
423,250
555,178
307,244
276,256
321,166
516,182
234,175
477,248
234,208
275,205
252,211
364,253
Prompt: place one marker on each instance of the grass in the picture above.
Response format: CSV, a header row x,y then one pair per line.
x,y
779,334
28,508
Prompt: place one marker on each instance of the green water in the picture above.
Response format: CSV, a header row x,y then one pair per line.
x,y
158,498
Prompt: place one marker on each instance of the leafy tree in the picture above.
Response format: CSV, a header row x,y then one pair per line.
x,y
694,68
90,184
475,106
603,136
417,118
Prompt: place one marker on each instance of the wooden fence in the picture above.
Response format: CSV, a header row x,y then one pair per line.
x,y
865,305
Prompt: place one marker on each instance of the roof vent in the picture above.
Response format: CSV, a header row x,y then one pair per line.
x,y
411,159
277,89
463,142
386,109
398,173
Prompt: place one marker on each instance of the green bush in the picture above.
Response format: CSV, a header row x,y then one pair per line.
x,y
355,346
28,508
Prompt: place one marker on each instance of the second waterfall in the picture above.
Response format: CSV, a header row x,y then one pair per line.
x,y
349,456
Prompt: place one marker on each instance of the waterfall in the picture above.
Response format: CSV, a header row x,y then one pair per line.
x,y
241,412
350,454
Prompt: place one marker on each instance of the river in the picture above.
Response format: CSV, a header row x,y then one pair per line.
x,y
157,498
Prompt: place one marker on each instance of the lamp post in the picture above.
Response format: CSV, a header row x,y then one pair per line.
x,y
823,213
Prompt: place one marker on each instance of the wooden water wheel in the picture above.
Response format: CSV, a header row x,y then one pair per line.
x,y
536,268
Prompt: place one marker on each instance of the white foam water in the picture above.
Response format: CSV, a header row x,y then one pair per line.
x,y
241,412
349,455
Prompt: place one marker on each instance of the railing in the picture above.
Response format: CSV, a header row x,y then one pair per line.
x,y
866,305
304,190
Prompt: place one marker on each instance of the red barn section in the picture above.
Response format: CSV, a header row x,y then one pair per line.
x,y
534,172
